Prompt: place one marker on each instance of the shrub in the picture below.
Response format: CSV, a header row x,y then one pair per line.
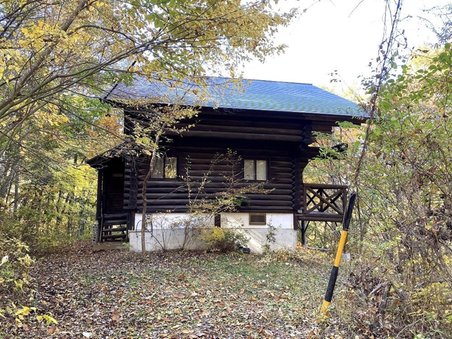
x,y
14,274
15,287
375,304
223,240
14,265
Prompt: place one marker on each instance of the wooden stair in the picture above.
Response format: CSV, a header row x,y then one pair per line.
x,y
114,227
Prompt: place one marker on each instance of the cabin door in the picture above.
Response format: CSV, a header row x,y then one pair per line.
x,y
113,197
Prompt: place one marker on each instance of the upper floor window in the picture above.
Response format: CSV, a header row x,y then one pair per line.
x,y
255,169
165,168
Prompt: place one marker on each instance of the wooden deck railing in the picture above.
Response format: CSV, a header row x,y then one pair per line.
x,y
324,202
321,202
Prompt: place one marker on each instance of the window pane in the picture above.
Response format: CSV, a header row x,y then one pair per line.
x,y
258,219
157,171
171,168
261,169
249,170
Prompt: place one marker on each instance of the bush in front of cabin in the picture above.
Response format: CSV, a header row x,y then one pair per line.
x,y
223,240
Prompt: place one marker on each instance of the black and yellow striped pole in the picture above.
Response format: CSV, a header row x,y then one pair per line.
x,y
340,250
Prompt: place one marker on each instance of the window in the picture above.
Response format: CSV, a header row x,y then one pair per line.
x,y
258,219
255,169
165,167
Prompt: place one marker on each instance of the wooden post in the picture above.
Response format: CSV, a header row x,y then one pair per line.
x,y
337,261
100,204
297,188
304,226
217,220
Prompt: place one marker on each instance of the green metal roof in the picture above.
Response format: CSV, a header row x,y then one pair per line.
x,y
243,94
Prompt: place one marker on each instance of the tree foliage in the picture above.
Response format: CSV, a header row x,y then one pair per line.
x,y
403,230
58,46
58,57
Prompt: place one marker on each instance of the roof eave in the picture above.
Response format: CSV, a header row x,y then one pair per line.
x,y
312,115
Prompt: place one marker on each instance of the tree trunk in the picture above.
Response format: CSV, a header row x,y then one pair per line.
x,y
143,193
16,190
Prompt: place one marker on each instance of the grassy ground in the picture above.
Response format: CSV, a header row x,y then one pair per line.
x,y
113,293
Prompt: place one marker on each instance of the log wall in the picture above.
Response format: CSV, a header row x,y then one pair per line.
x,y
283,142
206,172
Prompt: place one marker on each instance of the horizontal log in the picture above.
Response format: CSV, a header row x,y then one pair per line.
x,y
184,209
161,190
220,186
250,121
245,129
172,195
198,166
207,190
286,167
275,203
322,128
204,173
193,154
280,173
214,179
280,163
325,186
245,136
185,202
281,180
281,153
173,202
161,183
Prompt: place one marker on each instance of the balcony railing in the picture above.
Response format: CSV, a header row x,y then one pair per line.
x,y
321,202
324,202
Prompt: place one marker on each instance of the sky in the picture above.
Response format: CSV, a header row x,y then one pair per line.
x,y
338,35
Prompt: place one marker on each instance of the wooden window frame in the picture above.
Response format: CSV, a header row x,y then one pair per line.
x,y
164,169
255,160
257,223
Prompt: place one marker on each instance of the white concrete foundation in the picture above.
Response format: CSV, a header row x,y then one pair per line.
x,y
182,231
240,220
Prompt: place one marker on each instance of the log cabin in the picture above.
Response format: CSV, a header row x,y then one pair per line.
x,y
250,142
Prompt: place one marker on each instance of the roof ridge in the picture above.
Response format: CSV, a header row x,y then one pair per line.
x,y
263,80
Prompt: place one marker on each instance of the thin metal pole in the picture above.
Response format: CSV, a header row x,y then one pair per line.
x,y
337,261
